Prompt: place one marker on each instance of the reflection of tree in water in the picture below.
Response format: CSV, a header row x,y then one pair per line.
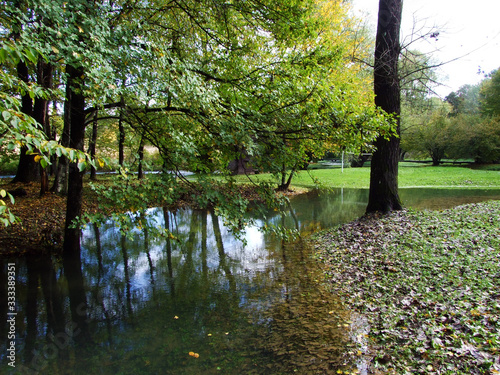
x,y
322,209
41,275
52,315
153,300
76,290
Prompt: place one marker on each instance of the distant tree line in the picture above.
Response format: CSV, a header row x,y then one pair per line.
x,y
465,125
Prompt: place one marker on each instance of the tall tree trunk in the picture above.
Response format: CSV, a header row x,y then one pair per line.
x,y
121,140
285,182
92,146
140,172
27,169
53,136
41,113
76,106
60,185
384,195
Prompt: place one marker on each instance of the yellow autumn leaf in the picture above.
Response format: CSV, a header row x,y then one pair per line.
x,y
37,158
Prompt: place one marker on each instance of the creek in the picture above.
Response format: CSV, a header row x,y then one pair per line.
x,y
196,302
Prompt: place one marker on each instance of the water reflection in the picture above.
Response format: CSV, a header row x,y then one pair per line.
x,y
439,199
142,303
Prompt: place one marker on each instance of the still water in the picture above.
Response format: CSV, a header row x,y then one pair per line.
x,y
195,302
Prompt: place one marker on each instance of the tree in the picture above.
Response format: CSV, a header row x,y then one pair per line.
x,y
489,95
465,100
277,96
383,194
28,169
430,133
474,131
90,47
417,79
474,137
17,129
205,81
485,141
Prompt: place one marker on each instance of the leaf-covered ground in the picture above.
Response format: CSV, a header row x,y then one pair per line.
x,y
41,221
428,284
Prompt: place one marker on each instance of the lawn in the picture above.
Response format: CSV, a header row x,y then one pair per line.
x,y
410,175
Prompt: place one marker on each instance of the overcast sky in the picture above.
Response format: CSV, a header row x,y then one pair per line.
x,y
468,29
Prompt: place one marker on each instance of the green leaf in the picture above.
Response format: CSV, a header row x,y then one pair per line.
x,y
6,115
31,54
3,55
43,162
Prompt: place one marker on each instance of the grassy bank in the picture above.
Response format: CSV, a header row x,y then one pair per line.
x,y
428,283
410,175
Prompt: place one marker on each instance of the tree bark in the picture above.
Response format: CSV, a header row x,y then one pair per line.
x,y
121,140
92,146
60,185
384,196
76,106
41,113
140,172
27,169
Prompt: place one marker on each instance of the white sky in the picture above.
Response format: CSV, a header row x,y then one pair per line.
x,y
468,29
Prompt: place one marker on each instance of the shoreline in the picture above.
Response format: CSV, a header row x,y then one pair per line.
x,y
41,229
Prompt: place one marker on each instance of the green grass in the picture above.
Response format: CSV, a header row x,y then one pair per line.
x,y
410,175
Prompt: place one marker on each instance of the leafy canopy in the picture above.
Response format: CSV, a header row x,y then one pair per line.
x,y
205,81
